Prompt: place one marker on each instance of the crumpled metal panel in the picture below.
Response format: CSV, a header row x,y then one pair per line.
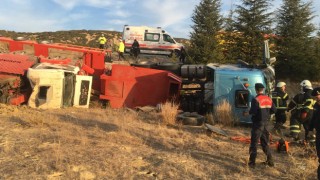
x,y
14,63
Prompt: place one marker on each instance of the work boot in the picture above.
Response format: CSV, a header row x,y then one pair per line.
x,y
252,159
269,161
252,164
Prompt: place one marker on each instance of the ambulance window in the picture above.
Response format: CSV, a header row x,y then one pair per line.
x,y
152,37
242,98
167,38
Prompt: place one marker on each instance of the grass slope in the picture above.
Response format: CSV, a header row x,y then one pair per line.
x,y
99,143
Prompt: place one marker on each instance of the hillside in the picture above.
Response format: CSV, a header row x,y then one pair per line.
x,y
76,37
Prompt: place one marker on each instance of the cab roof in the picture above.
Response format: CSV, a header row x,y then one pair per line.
x,y
234,69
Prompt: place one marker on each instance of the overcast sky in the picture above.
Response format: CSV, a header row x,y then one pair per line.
x,y
54,15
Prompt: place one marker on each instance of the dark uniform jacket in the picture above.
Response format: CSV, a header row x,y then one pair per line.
x,y
302,102
301,99
135,45
315,121
261,109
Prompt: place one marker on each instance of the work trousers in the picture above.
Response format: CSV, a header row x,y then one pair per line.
x,y
295,127
280,117
259,132
121,56
135,52
318,151
101,46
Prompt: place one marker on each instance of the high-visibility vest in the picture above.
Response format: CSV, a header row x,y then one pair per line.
x,y
121,47
264,101
102,40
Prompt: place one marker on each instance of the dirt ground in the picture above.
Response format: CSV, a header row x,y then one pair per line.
x,y
109,143
95,143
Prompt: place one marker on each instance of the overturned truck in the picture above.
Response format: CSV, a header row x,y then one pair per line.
x,y
57,77
14,86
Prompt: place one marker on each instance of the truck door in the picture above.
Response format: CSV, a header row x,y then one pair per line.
x,y
241,105
82,91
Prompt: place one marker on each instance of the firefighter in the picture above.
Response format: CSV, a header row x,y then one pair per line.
x,y
102,41
279,98
301,107
183,54
121,50
261,109
315,123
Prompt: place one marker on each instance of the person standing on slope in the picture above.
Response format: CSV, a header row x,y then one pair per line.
x,y
261,109
121,50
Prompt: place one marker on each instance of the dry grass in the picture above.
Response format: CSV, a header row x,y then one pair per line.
x,y
119,144
169,112
223,114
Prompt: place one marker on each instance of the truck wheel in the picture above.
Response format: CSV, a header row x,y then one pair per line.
x,y
169,66
145,64
193,119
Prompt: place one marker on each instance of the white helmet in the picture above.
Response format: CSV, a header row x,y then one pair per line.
x,y
280,84
306,84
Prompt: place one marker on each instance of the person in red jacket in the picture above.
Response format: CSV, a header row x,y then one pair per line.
x,y
261,109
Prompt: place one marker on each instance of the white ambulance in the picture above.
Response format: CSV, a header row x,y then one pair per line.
x,y
151,40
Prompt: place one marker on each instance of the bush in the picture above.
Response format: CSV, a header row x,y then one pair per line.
x,y
223,114
169,112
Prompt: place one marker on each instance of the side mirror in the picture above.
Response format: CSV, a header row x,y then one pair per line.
x,y
273,60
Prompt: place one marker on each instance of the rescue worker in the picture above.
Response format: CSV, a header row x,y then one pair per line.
x,y
301,107
102,41
121,50
279,98
315,123
183,54
261,109
135,48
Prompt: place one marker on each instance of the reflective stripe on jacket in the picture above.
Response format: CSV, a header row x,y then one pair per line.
x,y
279,99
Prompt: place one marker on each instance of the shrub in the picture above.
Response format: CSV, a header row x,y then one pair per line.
x,y
223,114
169,112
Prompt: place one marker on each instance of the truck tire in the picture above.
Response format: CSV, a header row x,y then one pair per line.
x,y
193,119
145,64
169,66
